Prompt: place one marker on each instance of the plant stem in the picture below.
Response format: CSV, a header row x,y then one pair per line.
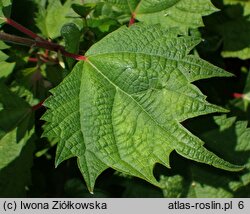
x,y
132,20
23,29
36,40
42,44
16,39
38,106
238,95
31,59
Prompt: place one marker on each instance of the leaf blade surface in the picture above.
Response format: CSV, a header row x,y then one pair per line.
x,y
122,107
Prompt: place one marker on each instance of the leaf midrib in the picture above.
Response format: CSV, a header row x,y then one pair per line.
x,y
203,98
117,87
147,54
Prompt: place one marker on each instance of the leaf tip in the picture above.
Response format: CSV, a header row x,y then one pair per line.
x,y
90,188
217,109
222,164
236,168
58,161
224,110
229,74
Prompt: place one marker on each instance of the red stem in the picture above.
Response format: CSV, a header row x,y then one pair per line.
x,y
23,29
32,59
238,95
132,19
43,57
38,41
33,35
38,106
74,56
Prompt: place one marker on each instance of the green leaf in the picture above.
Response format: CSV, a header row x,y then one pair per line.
x,y
15,113
207,184
10,149
172,186
15,159
244,3
235,44
236,137
3,56
50,19
223,122
247,84
104,24
83,10
230,139
123,106
184,14
6,69
233,17
3,45
246,95
71,35
16,144
5,9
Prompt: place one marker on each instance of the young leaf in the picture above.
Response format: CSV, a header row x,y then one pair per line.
x,y
51,19
123,106
184,14
83,10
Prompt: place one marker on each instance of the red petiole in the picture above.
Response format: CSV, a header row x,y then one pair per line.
x,y
238,95
37,106
132,19
36,41
23,29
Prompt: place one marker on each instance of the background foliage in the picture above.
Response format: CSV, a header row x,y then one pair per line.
x,y
27,159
